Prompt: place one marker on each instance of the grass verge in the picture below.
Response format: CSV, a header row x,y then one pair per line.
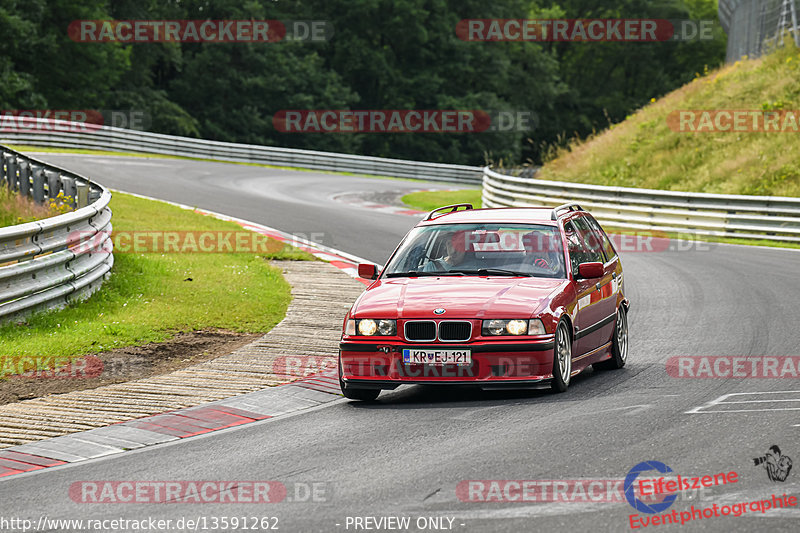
x,y
152,296
17,209
649,150
430,200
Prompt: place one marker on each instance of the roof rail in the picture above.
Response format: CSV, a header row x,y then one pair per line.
x,y
568,207
453,208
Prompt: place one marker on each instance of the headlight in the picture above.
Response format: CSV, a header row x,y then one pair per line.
x,y
513,327
387,327
369,327
517,327
494,327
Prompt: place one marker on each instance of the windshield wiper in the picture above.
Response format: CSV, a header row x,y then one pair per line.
x,y
495,271
415,273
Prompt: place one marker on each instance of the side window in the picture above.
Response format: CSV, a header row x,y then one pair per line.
x,y
576,252
592,243
608,248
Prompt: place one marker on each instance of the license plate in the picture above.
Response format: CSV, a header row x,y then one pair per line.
x,y
437,357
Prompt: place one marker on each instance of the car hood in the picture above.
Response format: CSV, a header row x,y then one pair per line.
x,y
461,297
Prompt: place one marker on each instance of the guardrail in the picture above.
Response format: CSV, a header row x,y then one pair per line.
x,y
62,134
51,262
772,218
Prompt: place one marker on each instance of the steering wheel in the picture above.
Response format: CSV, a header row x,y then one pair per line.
x,y
415,258
438,264
541,263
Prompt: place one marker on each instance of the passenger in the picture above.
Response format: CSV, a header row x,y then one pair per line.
x,y
543,252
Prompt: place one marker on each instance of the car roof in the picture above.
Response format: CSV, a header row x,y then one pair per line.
x,y
515,215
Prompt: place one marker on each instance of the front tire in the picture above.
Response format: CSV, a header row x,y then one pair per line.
x,y
365,395
619,344
562,359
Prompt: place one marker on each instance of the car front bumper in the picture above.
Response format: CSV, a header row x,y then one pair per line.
x,y
503,364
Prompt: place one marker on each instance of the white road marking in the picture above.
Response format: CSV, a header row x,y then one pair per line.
x,y
704,409
532,511
636,409
766,401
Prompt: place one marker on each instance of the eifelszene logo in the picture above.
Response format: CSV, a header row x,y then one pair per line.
x,y
630,485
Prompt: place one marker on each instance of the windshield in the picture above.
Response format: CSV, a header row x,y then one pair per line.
x,y
480,249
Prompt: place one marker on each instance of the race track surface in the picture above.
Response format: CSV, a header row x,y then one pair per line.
x,y
407,454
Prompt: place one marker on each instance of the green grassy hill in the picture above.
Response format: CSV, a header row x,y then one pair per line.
x,y
643,151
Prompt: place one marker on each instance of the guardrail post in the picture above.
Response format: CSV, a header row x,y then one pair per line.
x,y
70,189
3,179
11,172
53,184
24,178
82,195
38,184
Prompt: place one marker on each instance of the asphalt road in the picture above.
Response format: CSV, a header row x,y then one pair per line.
x,y
406,455
296,202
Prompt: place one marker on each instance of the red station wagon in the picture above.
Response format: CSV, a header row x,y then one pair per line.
x,y
501,298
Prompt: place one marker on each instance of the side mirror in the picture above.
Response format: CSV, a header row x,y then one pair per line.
x,y
590,270
368,271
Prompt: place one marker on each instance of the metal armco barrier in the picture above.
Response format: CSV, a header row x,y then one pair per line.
x,y
51,262
751,217
720,215
61,134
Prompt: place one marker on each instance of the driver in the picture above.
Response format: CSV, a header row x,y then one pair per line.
x,y
456,253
